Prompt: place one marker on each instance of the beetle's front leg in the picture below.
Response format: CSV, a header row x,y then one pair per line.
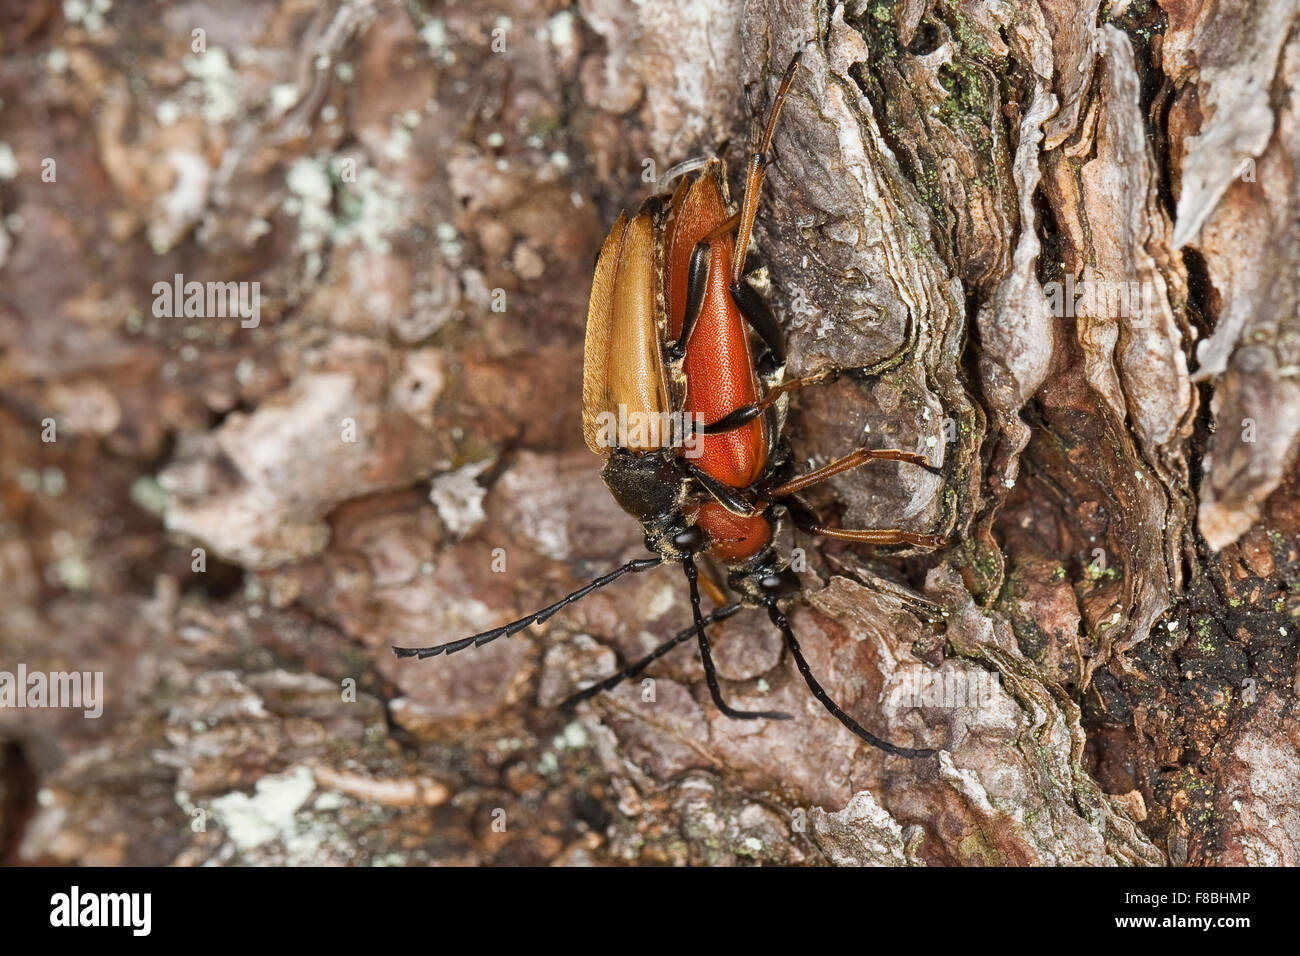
x,y
724,494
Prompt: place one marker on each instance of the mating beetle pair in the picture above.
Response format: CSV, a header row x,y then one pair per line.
x,y
668,334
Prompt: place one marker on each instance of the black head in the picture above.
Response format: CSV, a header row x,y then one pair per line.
x,y
649,487
765,580
674,539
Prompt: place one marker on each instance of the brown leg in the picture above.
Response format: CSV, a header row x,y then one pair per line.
x,y
757,173
711,586
724,228
880,536
822,377
859,457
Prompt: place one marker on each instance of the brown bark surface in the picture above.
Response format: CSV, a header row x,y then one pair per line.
x,y
1105,653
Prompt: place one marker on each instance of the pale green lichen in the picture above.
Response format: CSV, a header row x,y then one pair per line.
x,y
216,83
270,814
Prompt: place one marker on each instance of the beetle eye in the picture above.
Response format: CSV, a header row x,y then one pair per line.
x,y
690,539
779,583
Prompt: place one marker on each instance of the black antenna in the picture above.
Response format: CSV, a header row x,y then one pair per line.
x,y
632,670
701,621
819,692
539,617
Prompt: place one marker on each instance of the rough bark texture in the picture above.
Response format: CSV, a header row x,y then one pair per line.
x,y
1106,653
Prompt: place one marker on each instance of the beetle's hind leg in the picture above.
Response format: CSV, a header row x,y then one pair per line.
x,y
807,522
850,461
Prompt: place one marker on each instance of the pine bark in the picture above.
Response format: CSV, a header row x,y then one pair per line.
x,y
1057,243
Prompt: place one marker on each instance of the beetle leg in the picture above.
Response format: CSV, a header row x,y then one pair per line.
x,y
840,465
757,173
806,521
759,315
723,493
697,283
747,413
706,657
879,536
538,617
632,670
783,625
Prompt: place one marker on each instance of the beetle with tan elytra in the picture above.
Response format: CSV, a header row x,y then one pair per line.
x,y
669,341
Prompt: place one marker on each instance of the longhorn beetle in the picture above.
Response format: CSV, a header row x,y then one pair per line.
x,y
668,332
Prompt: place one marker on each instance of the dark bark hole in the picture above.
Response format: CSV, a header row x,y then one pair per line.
x,y
17,799
927,39
1202,298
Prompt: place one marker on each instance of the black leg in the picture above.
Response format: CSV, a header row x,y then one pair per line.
x,y
697,283
632,670
723,493
729,423
706,657
759,315
783,625
800,514
514,627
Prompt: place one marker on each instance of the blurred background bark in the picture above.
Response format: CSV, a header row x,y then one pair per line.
x,y
1060,240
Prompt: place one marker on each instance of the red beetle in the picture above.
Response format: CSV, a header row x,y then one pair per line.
x,y
688,415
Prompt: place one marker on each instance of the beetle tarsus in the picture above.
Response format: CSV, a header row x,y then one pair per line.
x,y
840,465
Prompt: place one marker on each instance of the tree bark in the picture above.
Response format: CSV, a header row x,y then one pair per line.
x,y
1057,245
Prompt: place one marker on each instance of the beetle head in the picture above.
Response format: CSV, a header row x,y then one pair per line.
x,y
673,538
765,579
648,487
